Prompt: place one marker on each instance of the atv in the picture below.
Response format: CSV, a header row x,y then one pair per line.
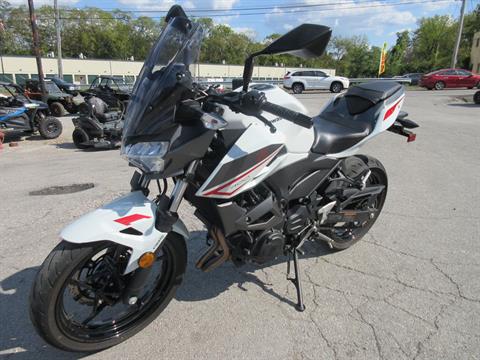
x,y
97,126
18,112
113,91
58,101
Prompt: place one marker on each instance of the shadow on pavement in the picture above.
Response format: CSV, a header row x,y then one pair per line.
x,y
467,105
20,341
198,286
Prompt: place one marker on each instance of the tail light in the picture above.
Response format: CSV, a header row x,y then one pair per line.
x,y
286,77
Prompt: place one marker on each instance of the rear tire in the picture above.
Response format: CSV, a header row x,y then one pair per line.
x,y
80,137
378,177
58,269
298,88
50,128
439,85
336,87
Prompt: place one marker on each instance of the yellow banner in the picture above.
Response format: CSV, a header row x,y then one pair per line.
x,y
383,59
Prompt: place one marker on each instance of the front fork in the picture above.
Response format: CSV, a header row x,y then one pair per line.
x,y
165,217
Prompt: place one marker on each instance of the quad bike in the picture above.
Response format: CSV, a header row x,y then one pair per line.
x,y
263,177
96,127
18,112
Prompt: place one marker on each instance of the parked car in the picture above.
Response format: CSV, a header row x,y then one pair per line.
x,y
414,77
450,78
302,80
58,101
65,86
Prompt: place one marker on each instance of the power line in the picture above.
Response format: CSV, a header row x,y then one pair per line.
x,y
232,12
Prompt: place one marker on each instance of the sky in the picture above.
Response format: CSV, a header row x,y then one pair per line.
x,y
379,20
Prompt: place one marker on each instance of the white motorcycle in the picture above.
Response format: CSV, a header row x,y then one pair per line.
x,y
263,177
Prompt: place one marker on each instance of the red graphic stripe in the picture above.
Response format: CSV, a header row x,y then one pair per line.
x,y
391,110
217,190
127,220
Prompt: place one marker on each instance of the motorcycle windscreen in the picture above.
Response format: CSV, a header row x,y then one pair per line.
x,y
161,82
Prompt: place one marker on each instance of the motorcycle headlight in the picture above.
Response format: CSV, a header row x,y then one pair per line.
x,y
147,156
71,88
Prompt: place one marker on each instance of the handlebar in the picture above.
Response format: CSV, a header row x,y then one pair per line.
x,y
293,116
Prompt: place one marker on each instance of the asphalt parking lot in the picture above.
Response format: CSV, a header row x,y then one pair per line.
x,y
409,290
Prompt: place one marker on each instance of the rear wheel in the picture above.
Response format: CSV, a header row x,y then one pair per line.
x,y
345,235
50,127
297,88
77,304
336,87
439,85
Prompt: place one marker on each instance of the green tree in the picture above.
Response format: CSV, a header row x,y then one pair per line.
x,y
433,42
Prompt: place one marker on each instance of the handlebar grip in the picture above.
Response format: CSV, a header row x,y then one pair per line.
x,y
293,116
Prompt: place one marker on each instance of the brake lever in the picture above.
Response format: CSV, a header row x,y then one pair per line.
x,y
267,122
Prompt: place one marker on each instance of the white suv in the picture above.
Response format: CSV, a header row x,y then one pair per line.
x,y
302,80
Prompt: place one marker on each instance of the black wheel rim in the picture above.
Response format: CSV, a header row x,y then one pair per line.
x,y
52,127
350,232
101,321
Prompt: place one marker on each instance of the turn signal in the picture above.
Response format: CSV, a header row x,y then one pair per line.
x,y
146,260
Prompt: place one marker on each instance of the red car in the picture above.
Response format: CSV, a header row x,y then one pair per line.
x,y
450,78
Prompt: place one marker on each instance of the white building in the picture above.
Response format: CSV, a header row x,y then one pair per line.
x,y
83,71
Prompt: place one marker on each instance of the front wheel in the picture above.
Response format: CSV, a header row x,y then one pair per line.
x,y
77,301
439,85
50,127
336,87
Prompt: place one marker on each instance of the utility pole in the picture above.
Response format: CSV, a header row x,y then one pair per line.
x,y
459,35
59,39
36,48
2,30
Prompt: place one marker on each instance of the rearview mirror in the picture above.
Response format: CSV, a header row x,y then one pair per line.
x,y
306,41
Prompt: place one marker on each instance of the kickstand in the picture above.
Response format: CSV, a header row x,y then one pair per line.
x,y
296,280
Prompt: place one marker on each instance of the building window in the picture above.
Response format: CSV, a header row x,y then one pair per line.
x,y
129,79
20,78
6,77
91,78
68,78
80,79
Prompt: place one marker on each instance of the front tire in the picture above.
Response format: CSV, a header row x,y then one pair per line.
x,y
439,85
57,109
80,137
336,87
59,280
50,127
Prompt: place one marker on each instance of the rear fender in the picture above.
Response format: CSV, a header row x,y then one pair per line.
x,y
128,220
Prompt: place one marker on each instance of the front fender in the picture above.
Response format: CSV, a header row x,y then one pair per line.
x,y
128,220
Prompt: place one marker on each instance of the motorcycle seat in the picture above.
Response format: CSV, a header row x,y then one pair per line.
x,y
335,133
362,97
